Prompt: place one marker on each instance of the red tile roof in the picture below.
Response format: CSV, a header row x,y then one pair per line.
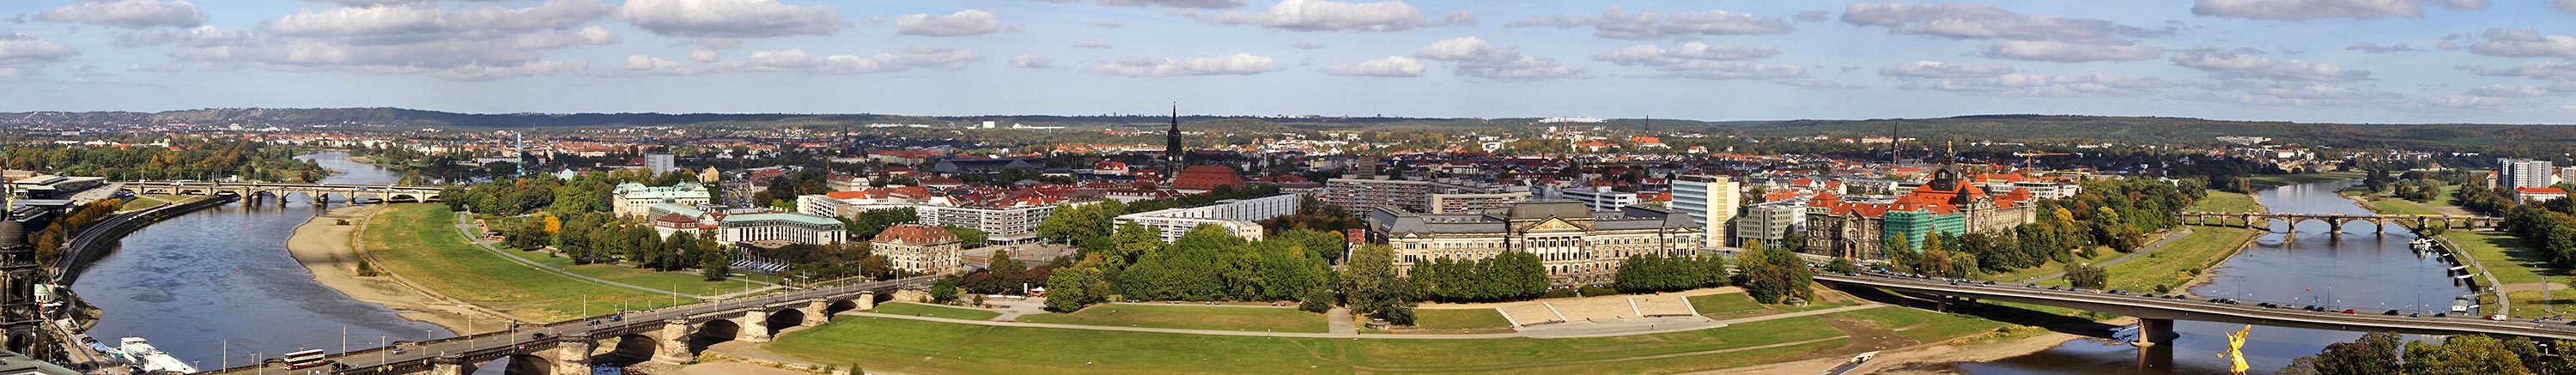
x,y
915,235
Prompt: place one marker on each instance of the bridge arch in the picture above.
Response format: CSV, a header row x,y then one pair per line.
x,y
713,332
634,348
530,364
781,320
839,306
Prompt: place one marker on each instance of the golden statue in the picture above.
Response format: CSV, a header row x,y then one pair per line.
x,y
2235,342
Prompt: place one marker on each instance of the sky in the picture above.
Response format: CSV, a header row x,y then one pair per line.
x,y
2357,61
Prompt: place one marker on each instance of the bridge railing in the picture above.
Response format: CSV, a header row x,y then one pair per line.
x,y
2459,323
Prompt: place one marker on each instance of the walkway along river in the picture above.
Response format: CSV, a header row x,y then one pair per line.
x,y
220,280
2306,267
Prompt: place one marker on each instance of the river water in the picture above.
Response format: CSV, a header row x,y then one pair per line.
x,y
220,281
2309,266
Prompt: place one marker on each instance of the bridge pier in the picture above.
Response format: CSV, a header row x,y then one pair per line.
x,y
2152,331
450,364
867,300
755,326
814,312
674,348
572,353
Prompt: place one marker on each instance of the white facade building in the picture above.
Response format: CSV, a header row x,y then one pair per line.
x,y
634,199
1238,216
661,163
1710,201
2524,173
1600,198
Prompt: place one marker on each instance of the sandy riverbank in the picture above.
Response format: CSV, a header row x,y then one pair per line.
x,y
1928,358
323,246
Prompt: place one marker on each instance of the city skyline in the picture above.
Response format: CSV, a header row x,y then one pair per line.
x,y
2364,61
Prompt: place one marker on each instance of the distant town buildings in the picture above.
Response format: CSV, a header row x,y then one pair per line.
x,y
661,163
634,199
919,248
790,227
2523,173
1359,194
1859,228
1576,245
1237,216
2531,195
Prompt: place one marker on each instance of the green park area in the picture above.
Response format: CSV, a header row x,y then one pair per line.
x,y
420,242
1459,319
2513,263
915,309
2175,264
1258,319
885,344
2100,254
1922,325
1737,305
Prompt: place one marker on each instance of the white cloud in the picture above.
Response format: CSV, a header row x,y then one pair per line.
x,y
1649,54
1812,16
416,22
23,55
2368,47
156,68
132,14
2293,10
2097,84
962,23
1094,43
480,72
2511,91
1236,64
2046,50
1108,23
2253,64
1308,44
2568,6
648,65
2543,69
797,61
1391,66
1476,58
1324,15
1618,24
731,18
2466,101
200,36
703,56
1031,62
1937,69
2524,43
1202,4
1964,21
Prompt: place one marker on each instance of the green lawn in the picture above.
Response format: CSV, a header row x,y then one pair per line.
x,y
2503,255
2171,265
2393,206
1190,317
1459,318
2016,276
2220,201
1727,306
915,309
420,242
946,348
1923,325
2271,180
141,203
687,281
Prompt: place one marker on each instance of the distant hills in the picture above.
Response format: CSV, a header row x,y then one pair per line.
x,y
2008,128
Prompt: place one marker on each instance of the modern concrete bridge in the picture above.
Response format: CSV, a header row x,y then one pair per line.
x,y
2156,315
668,335
2379,221
278,191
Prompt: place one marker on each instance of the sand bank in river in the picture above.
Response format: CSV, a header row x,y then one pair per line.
x,y
324,246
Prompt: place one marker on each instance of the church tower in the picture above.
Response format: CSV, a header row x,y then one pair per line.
x,y
19,274
1172,153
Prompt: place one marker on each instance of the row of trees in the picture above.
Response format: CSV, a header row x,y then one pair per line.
x,y
1512,275
2387,353
51,240
1206,264
185,159
1658,273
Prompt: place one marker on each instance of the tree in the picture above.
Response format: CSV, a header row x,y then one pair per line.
x,y
1774,275
1069,289
1131,241
2086,276
1371,283
970,237
2373,353
2467,354
1317,301
714,265
944,291
1843,265
1003,263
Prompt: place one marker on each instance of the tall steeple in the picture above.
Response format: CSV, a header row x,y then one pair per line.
x,y
19,275
1172,153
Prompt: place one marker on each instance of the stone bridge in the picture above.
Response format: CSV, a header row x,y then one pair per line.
x,y
321,193
2156,315
667,335
2380,222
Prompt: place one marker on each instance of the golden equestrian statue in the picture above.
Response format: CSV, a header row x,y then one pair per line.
x,y
2236,342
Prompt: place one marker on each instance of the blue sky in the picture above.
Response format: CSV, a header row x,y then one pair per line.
x,y
2293,60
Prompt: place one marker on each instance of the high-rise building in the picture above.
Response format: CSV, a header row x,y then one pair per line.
x,y
2524,173
1710,201
661,163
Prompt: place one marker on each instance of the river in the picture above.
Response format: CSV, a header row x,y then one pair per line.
x,y
2360,271
220,281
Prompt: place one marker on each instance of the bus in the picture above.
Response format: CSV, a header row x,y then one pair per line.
x,y
303,359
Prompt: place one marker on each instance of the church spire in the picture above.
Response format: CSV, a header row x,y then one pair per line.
x,y
1172,153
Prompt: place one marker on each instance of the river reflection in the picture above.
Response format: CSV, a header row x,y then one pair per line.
x,y
2313,265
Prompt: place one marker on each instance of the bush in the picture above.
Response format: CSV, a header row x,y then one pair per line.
x,y
344,222
1320,300
1589,291
1397,315
1560,293
1842,265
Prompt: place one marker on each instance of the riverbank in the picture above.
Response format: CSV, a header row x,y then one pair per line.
x,y
1929,358
323,245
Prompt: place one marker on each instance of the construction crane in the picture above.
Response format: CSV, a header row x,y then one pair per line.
x,y
2026,156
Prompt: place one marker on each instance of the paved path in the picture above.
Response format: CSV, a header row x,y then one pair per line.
x,y
1562,330
2170,237
465,227
1340,322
